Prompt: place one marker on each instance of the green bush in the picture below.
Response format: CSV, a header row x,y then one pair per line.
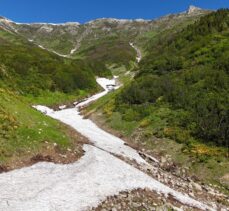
x,y
189,73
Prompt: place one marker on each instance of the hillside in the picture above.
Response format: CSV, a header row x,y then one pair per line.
x,y
29,74
28,69
94,39
56,63
177,104
189,71
155,136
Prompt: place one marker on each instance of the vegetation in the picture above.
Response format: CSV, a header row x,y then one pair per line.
x,y
29,69
23,130
107,51
177,104
120,51
29,75
180,91
185,78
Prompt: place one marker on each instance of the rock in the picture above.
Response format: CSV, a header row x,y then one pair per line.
x,y
191,194
136,205
147,189
123,204
196,186
192,9
225,179
114,209
163,160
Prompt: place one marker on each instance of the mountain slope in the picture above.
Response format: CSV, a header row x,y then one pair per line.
x,y
27,68
77,40
30,74
180,93
34,74
189,70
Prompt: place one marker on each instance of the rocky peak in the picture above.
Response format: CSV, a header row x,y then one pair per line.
x,y
192,9
115,20
72,24
3,19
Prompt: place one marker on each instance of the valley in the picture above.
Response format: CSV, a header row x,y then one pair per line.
x,y
116,114
105,164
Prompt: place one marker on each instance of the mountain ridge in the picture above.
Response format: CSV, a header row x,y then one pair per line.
x,y
189,10
71,38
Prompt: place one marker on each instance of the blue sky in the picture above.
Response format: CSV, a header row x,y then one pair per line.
x,y
59,11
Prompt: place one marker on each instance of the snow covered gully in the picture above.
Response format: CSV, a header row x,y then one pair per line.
x,y
87,182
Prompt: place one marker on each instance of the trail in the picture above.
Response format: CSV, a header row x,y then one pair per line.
x,y
86,183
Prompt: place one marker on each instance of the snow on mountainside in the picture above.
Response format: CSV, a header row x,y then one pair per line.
x,y
192,9
115,20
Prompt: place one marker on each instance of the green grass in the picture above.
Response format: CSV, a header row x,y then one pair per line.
x,y
55,98
116,122
23,129
120,52
28,69
208,162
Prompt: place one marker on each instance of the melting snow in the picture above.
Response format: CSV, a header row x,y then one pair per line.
x,y
77,186
139,56
85,183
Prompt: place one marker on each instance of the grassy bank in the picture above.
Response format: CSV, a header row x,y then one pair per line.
x,y
25,132
55,98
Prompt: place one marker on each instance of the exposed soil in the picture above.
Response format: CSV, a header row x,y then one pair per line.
x,y
50,153
136,200
165,171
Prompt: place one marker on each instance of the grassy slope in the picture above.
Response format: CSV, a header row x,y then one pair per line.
x,y
29,69
143,122
187,72
25,132
102,42
111,49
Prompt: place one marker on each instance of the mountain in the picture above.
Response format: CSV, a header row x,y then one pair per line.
x,y
27,68
193,10
177,103
186,73
85,40
31,75
173,102
44,63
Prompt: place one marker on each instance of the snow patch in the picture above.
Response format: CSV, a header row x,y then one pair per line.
x,y
62,107
139,55
51,24
73,50
192,9
86,183
87,128
78,186
115,20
